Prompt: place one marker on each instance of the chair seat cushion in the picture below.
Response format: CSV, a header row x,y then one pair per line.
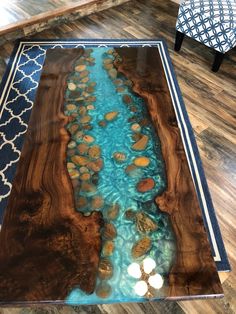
x,y
212,22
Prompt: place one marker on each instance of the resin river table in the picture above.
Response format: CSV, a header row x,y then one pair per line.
x,y
103,207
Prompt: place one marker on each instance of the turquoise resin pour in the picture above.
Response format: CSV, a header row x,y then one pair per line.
x,y
117,187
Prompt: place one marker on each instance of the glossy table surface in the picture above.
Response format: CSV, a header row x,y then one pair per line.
x,y
103,207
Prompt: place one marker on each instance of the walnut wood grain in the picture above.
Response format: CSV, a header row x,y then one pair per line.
x,y
194,271
46,246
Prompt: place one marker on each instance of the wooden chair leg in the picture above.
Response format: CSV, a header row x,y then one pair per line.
x,y
217,61
178,40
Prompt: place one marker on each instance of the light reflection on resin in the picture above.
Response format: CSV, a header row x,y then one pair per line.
x,y
149,279
115,165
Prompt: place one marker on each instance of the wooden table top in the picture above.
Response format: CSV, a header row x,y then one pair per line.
x,y
103,207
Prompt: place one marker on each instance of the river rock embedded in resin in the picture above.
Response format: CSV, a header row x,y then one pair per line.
x,y
111,115
119,156
141,144
105,269
109,231
141,247
145,185
145,223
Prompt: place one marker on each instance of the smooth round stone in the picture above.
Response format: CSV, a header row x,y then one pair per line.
x,y
85,176
105,269
130,214
83,169
130,169
73,128
74,173
85,119
133,109
75,94
145,185
84,73
113,211
90,89
111,115
103,290
119,156
120,89
96,165
108,66
141,247
80,160
102,123
85,80
74,115
92,84
108,248
70,107
128,83
83,148
141,144
145,223
109,231
91,98
81,202
94,152
88,187
112,73
82,86
80,68
136,136
87,127
90,107
72,144
88,138
70,152
110,51
142,161
118,82
70,165
71,86
127,99
79,135
107,61
136,127
97,202
82,111
85,94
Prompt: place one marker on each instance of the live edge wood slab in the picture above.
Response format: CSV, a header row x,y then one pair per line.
x,y
47,247
194,267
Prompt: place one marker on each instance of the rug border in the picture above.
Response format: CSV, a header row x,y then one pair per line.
x,y
222,265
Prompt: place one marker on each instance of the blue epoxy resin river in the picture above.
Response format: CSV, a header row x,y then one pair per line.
x,y
115,164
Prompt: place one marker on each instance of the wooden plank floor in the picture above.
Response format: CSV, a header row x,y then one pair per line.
x,y
211,103
14,11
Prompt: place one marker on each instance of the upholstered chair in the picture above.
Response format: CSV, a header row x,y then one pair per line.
x,y
211,22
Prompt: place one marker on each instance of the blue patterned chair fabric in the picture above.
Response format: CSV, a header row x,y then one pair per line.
x,y
212,22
